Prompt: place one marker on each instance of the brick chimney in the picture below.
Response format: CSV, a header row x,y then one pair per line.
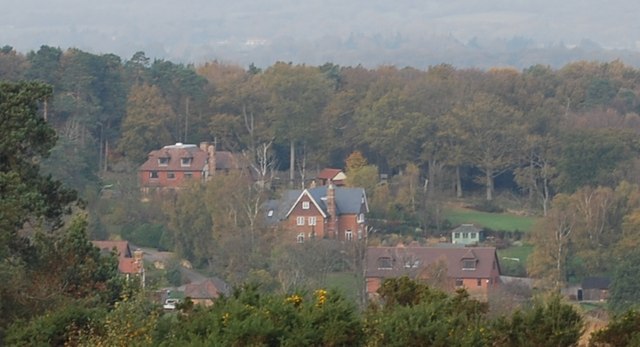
x,y
211,154
139,263
332,220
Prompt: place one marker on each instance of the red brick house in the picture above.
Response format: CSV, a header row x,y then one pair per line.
x,y
130,264
474,268
327,175
321,212
174,165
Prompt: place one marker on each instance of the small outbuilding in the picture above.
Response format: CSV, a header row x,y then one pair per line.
x,y
466,234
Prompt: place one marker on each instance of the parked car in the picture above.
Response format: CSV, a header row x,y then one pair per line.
x,y
170,304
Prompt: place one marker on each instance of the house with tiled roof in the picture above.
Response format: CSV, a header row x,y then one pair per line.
x,y
206,292
474,268
327,212
172,166
130,264
327,175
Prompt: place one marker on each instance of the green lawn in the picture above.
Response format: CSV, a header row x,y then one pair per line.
x,y
516,252
495,221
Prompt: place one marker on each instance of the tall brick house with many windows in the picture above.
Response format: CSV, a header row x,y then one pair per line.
x,y
174,165
322,212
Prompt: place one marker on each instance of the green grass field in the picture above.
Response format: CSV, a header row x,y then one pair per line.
x,y
516,252
495,221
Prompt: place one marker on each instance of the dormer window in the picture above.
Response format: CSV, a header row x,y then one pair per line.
x,y
469,264
305,205
412,264
163,161
186,162
384,263
361,218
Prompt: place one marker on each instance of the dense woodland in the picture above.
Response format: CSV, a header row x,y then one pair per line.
x,y
561,144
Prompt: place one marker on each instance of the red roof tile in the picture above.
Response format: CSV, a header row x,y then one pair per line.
x,y
410,260
175,153
126,262
206,289
328,173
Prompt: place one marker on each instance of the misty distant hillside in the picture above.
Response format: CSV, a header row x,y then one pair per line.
x,y
417,33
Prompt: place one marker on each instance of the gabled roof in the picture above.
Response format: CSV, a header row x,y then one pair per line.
x,y
126,262
464,228
348,200
419,258
329,174
211,288
313,199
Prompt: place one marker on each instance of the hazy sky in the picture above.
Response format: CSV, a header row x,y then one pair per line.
x,y
190,29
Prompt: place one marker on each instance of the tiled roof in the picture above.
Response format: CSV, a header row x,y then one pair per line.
x,y
328,174
348,200
210,288
466,228
126,262
411,261
175,153
596,283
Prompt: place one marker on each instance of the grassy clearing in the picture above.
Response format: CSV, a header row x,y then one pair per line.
x,y
516,252
495,221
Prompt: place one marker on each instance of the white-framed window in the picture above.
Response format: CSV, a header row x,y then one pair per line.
x,y
300,238
305,205
412,264
171,175
312,220
299,220
456,235
153,174
164,161
465,235
185,162
361,218
385,263
188,175
469,264
473,235
459,282
348,235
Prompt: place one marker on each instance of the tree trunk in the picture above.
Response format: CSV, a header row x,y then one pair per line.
x,y
559,265
489,175
458,183
292,162
545,197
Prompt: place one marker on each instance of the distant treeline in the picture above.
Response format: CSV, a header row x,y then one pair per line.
x,y
538,130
